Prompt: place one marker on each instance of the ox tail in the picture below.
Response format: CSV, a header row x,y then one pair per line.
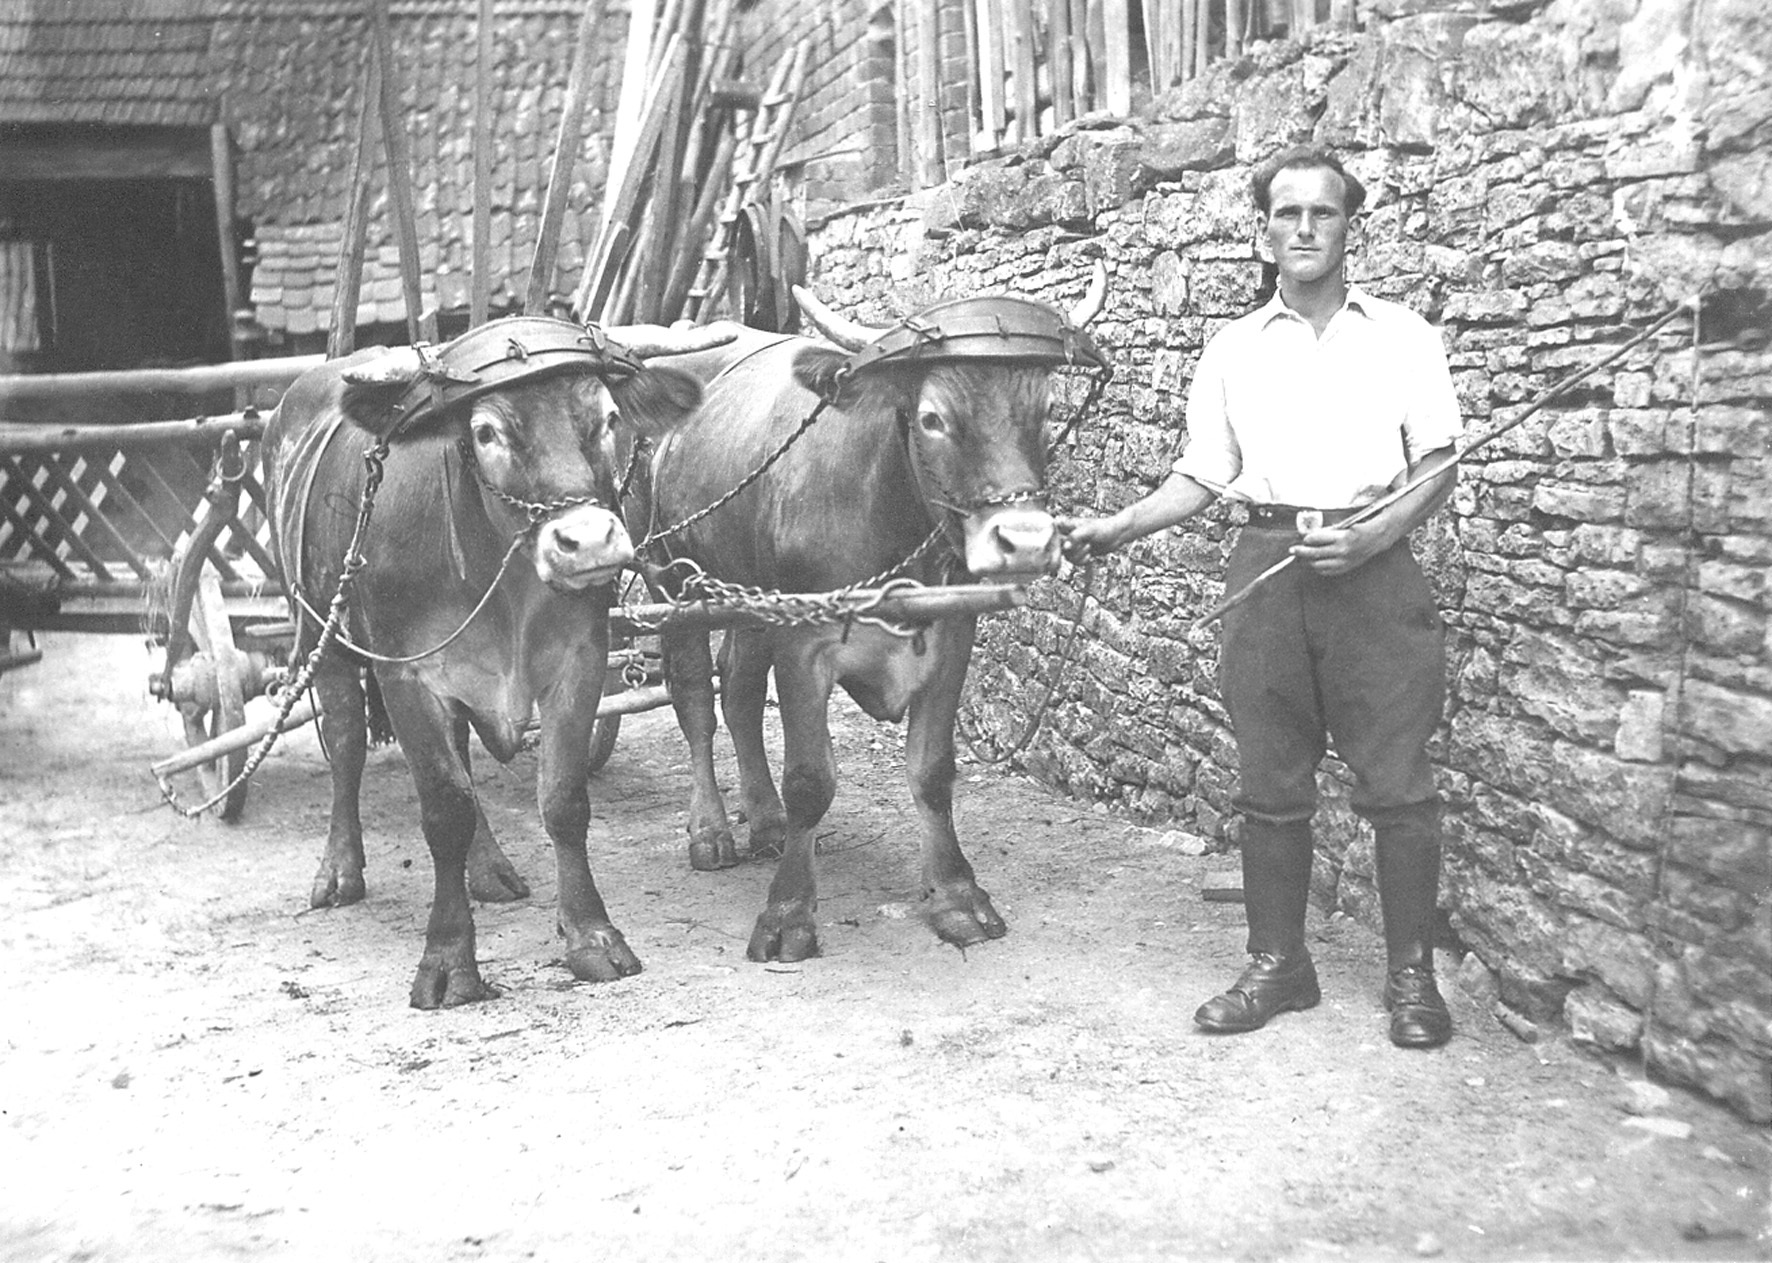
x,y
381,728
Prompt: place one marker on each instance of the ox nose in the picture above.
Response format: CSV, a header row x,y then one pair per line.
x,y
1013,543
581,547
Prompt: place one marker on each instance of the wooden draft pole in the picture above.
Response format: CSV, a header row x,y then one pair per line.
x,y
421,326
347,283
480,296
566,143
221,161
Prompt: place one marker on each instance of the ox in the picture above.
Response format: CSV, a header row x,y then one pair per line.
x,y
482,596
933,429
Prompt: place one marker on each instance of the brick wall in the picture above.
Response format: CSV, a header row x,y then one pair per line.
x,y
1541,190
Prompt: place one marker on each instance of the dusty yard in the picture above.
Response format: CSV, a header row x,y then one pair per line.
x,y
194,1067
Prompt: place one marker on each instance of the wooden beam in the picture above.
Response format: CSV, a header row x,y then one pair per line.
x,y
221,153
196,380
347,281
1117,55
421,326
1018,30
480,298
932,166
1058,57
566,143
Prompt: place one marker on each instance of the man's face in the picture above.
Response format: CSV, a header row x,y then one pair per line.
x,y
1305,227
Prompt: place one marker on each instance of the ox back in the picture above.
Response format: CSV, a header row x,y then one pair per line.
x,y
453,498
895,454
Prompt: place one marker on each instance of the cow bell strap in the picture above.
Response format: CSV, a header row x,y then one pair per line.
x,y
999,328
501,354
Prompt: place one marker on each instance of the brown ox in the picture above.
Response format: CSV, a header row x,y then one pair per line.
x,y
502,451
944,434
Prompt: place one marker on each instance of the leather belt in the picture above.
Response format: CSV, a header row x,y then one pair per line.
x,y
1291,517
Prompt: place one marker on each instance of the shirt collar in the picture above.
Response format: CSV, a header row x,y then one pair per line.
x,y
1357,300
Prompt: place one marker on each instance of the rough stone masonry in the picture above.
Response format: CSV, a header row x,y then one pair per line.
x,y
1546,182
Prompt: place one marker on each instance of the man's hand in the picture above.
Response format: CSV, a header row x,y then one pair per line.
x,y
1333,550
1088,537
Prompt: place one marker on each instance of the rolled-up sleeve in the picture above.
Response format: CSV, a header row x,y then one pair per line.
x,y
1432,420
1211,455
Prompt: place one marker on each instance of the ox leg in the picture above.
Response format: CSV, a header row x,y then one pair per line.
x,y
689,667
447,972
595,949
492,878
344,731
787,930
954,905
744,689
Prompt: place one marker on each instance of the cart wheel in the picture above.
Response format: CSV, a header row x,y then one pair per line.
x,y
603,735
214,637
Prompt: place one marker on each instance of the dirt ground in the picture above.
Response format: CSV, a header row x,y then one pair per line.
x,y
195,1067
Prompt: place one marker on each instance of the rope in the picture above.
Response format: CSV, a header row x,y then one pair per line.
x,y
1065,657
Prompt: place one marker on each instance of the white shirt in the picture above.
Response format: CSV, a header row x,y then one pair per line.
x,y
1280,416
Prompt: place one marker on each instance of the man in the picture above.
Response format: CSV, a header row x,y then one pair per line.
x,y
1311,407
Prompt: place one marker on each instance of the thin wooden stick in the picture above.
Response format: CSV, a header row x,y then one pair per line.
x,y
347,280
420,325
480,299
566,143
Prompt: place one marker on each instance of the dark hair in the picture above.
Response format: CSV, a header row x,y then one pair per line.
x,y
1306,158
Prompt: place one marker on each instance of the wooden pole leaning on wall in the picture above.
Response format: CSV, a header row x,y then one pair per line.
x,y
931,166
566,145
1058,57
421,326
480,279
221,162
347,281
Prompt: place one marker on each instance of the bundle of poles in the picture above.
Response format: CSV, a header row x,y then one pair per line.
x,y
692,142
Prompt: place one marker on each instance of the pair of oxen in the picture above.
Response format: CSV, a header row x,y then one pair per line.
x,y
509,475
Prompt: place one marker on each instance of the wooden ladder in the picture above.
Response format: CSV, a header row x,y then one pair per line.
x,y
760,143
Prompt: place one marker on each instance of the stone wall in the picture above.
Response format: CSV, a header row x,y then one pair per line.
x,y
1542,190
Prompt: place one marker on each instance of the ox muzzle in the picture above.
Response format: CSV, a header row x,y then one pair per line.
x,y
1012,543
581,547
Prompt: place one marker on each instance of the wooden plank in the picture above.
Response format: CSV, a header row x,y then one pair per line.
x,y
221,156
1058,57
1117,56
992,118
566,143
931,165
347,283
421,326
1018,32
480,297
1084,82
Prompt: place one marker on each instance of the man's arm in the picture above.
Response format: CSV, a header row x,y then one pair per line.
x,y
1339,549
1177,499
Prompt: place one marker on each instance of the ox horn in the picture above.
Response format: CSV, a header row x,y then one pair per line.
x,y
1094,300
851,335
649,341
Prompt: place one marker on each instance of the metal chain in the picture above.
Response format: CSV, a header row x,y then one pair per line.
x,y
293,690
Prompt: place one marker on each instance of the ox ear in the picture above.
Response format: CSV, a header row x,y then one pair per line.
x,y
658,398
817,368
374,384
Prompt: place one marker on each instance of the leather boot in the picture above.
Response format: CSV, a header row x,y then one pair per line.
x,y
1407,852
1276,892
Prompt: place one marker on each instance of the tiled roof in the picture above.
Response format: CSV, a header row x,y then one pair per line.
x,y
75,61
290,72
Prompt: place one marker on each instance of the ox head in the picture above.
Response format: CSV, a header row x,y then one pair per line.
x,y
533,404
970,381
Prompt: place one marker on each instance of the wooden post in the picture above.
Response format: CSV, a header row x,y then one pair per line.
x,y
347,282
480,299
932,169
221,158
420,325
1018,31
1058,56
566,142
1117,54
1233,28
1202,34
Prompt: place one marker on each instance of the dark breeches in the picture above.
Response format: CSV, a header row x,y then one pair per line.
x,y
1358,657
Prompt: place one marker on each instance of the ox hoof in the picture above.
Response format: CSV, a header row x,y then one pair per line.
x,y
602,957
496,881
442,986
712,853
963,917
784,934
336,885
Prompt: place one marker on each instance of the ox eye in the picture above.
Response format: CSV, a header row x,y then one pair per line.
x,y
485,433
931,423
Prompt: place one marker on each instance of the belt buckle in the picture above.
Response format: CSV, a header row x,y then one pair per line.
x,y
1309,520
